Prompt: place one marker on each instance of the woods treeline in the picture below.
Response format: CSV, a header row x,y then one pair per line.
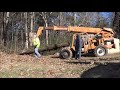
x,y
16,26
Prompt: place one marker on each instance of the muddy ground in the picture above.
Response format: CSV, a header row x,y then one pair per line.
x,y
26,66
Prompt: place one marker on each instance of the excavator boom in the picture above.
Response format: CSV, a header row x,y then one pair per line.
x,y
75,29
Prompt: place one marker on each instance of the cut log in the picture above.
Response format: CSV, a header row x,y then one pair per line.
x,y
100,62
55,47
106,62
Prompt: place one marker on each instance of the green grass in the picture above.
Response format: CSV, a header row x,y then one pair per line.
x,y
24,70
34,73
8,74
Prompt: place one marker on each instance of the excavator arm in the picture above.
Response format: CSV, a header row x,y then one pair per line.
x,y
55,28
76,29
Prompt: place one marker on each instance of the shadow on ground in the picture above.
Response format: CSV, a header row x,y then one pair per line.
x,y
73,58
111,70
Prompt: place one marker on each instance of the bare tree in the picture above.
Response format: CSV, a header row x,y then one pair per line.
x,y
45,16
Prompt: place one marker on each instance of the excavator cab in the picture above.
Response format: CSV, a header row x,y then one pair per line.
x,y
69,52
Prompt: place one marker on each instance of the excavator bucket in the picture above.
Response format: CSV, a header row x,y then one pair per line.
x,y
39,32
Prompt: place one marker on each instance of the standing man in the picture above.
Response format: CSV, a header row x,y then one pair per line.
x,y
78,47
36,43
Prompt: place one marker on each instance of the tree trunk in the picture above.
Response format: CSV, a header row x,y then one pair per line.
x,y
44,16
16,41
31,30
46,25
60,19
5,22
7,25
32,21
12,39
74,14
2,28
26,31
116,24
22,34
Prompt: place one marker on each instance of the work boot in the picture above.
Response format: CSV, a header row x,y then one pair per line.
x,y
81,58
76,58
41,57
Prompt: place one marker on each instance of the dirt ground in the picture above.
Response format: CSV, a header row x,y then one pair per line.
x,y
26,66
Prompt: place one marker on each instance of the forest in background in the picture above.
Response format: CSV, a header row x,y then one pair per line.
x,y
16,26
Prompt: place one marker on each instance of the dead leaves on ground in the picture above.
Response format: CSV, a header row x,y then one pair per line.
x,y
45,67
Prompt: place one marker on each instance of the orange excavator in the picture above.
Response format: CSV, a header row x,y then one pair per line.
x,y
96,40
